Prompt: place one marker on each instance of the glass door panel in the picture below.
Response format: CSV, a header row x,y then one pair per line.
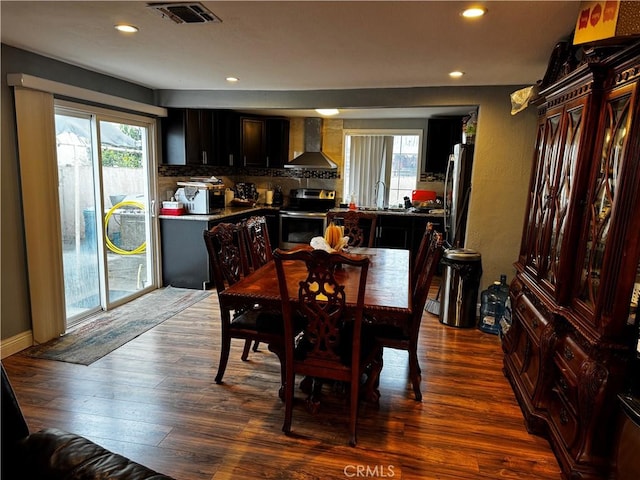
x,y
567,173
103,171
126,219
76,187
602,198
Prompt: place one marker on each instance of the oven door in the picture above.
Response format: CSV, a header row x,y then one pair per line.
x,y
298,228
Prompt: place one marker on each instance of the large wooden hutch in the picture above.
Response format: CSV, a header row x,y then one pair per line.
x,y
571,347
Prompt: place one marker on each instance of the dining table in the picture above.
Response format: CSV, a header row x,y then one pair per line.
x,y
387,297
387,300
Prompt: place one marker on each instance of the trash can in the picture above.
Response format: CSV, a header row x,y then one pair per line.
x,y
460,283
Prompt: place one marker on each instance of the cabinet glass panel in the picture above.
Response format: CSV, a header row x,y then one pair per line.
x,y
573,129
543,191
603,197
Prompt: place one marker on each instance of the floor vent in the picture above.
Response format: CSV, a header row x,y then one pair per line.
x,y
185,12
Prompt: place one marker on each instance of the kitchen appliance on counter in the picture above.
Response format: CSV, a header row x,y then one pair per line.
x,y
200,197
305,216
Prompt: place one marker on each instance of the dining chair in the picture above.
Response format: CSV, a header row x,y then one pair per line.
x,y
256,236
329,347
360,227
423,248
404,335
229,264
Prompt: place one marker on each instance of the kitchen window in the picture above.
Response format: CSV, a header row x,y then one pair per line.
x,y
381,166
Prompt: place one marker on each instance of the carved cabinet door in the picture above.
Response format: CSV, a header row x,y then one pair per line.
x,y
608,251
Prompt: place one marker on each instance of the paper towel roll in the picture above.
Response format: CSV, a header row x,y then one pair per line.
x,y
269,197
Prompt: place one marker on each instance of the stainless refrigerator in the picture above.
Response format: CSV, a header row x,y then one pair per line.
x,y
457,194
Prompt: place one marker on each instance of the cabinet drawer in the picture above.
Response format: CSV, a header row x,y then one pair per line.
x,y
566,383
532,319
570,356
563,418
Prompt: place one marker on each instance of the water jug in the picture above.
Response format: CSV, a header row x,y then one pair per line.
x,y
492,306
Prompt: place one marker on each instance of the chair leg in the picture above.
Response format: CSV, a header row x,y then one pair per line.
x,y
255,346
224,357
245,351
353,412
415,373
288,403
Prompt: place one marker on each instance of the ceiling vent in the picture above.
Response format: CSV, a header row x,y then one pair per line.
x,y
188,12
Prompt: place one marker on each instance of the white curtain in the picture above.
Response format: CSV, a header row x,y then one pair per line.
x,y
38,176
370,163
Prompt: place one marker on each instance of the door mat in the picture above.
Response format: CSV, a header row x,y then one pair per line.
x,y
109,330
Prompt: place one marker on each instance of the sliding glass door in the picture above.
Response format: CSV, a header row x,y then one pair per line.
x,y
104,180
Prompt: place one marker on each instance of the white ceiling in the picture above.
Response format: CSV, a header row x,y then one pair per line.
x,y
298,45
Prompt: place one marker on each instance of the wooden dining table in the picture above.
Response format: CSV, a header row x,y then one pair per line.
x,y
387,298
387,295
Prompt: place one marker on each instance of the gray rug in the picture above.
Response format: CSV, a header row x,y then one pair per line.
x,y
110,330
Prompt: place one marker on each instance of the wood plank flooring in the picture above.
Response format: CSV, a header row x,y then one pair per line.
x,y
154,400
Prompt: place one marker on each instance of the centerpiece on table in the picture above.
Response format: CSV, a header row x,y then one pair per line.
x,y
334,239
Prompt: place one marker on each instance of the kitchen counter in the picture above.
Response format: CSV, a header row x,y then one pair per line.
x,y
393,212
223,213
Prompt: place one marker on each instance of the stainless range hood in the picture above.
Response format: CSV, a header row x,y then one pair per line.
x,y
312,158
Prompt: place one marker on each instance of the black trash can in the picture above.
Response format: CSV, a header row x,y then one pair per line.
x,y
460,284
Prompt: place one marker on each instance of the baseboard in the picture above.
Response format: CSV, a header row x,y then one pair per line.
x,y
15,344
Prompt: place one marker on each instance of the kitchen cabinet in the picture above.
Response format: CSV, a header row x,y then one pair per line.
x,y
254,142
569,351
442,135
189,137
265,141
185,261
402,230
228,134
277,148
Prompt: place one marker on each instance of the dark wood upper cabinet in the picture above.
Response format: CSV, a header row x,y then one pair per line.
x,y
442,134
277,142
188,137
254,142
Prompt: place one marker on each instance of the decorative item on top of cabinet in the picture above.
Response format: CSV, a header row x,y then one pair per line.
x,y
569,351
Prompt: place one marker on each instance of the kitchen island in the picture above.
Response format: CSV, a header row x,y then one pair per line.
x,y
185,261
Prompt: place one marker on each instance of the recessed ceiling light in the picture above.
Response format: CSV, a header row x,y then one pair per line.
x,y
456,74
328,111
126,28
474,12
232,79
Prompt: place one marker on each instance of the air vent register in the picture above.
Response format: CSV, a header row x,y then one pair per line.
x,y
181,13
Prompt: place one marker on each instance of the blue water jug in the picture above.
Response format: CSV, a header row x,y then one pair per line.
x,y
492,306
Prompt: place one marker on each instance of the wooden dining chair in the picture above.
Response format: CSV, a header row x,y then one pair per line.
x,y
404,335
229,264
256,236
330,344
360,227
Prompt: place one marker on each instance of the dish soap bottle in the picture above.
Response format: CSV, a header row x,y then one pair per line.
x,y
352,202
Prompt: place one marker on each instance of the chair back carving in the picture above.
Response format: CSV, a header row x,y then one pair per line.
x,y
256,236
320,298
227,256
355,226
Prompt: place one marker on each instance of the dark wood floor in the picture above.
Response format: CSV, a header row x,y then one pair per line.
x,y
154,400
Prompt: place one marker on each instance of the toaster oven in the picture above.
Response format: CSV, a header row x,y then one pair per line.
x,y
200,198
